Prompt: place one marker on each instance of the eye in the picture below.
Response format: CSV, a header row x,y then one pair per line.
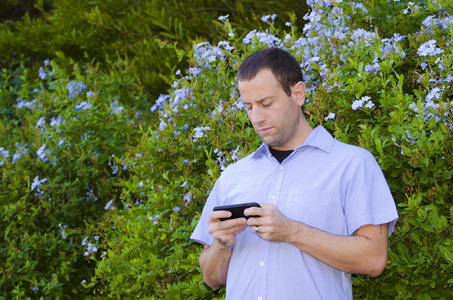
x,y
267,104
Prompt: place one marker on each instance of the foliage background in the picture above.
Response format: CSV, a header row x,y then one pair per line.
x,y
117,117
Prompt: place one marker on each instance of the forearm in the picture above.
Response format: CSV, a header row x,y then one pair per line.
x,y
214,262
352,254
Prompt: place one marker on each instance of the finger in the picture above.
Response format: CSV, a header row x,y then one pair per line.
x,y
215,216
268,206
228,236
253,211
227,226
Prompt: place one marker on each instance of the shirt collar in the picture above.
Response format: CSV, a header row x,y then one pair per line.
x,y
319,138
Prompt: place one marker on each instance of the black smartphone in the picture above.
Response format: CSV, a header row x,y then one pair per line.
x,y
237,210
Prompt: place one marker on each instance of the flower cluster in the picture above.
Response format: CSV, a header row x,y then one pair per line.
x,y
429,49
109,205
90,247
62,227
82,106
265,38
21,151
358,104
25,103
75,88
37,183
199,132
4,153
155,219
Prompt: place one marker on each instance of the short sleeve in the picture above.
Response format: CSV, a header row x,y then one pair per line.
x,y
368,199
201,232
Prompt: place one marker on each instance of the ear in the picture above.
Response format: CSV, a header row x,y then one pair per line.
x,y
298,93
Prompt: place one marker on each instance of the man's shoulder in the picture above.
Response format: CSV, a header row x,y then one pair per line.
x,y
348,149
352,156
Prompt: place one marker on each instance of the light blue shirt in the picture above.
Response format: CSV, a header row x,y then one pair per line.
x,y
325,184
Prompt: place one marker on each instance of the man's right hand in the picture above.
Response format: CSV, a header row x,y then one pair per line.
x,y
225,231
215,258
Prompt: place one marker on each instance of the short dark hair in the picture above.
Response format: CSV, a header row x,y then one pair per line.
x,y
280,62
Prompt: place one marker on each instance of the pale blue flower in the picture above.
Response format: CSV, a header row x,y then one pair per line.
x,y
331,116
36,182
163,98
267,17
82,106
75,88
360,6
116,108
357,104
61,141
42,73
223,18
56,121
90,247
434,94
90,94
115,169
62,231
200,132
41,152
369,105
373,68
109,205
26,104
429,49
188,198
226,45
5,154
263,38
41,122
155,219
21,151
162,125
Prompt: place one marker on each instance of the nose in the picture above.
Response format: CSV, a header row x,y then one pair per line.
x,y
257,115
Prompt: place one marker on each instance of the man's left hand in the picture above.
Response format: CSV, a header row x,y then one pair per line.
x,y
271,225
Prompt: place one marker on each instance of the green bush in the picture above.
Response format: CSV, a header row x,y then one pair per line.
x,y
390,94
58,172
134,29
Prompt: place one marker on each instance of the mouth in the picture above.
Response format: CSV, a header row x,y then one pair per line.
x,y
264,130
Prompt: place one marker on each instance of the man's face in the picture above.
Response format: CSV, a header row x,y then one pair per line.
x,y
276,117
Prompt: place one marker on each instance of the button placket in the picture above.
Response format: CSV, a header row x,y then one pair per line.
x,y
275,190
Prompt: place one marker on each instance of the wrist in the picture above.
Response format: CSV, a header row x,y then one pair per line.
x,y
223,248
296,232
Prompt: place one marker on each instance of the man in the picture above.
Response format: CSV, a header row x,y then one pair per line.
x,y
326,209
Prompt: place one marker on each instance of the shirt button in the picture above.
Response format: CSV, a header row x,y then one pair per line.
x,y
262,263
260,298
280,167
273,197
